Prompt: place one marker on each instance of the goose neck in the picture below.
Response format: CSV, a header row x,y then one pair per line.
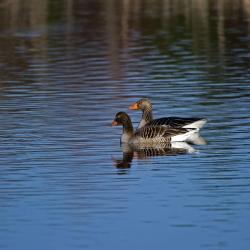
x,y
147,115
128,131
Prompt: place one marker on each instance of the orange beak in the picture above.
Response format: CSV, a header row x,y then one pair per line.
x,y
133,106
114,123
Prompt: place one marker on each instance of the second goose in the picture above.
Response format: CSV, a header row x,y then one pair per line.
x,y
171,122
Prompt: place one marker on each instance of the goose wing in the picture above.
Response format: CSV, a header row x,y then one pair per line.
x,y
151,132
174,122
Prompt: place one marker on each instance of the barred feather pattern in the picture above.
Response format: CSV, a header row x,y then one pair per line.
x,y
157,134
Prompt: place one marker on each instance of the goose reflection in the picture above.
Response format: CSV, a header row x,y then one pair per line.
x,y
131,152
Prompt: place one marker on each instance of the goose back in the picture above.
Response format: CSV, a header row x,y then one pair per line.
x,y
178,122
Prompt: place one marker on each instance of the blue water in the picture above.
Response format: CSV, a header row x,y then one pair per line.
x,y
67,69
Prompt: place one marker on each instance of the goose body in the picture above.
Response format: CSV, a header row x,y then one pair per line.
x,y
150,135
168,122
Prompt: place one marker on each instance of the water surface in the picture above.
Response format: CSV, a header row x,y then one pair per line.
x,y
66,68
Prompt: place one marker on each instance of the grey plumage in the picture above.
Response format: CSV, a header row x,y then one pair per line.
x,y
147,134
172,122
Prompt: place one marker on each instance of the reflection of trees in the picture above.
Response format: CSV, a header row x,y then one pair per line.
x,y
212,28
24,32
20,24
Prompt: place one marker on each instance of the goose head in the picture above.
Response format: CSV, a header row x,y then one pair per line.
x,y
121,119
142,104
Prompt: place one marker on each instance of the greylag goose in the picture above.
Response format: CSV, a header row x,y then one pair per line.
x,y
150,135
170,122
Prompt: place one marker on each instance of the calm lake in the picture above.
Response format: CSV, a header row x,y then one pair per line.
x,y
67,67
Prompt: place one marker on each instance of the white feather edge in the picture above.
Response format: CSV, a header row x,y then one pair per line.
x,y
189,136
197,125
